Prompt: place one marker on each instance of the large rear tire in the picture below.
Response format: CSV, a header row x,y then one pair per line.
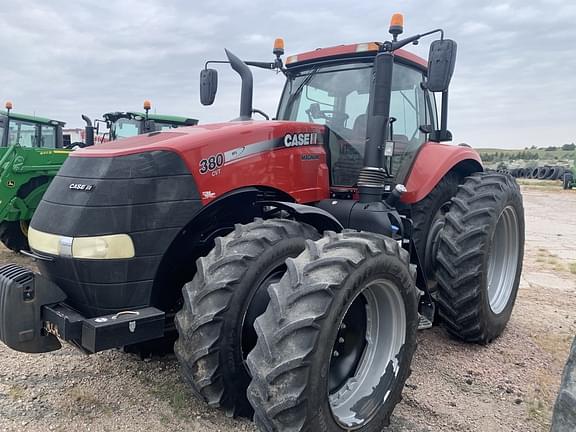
x,y
13,235
229,291
428,217
480,257
336,342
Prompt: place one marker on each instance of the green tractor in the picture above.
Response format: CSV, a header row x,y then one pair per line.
x,y
129,124
31,153
33,150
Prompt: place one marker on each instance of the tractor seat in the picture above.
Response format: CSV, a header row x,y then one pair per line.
x,y
359,128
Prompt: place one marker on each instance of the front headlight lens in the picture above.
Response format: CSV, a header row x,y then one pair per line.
x,y
44,242
116,246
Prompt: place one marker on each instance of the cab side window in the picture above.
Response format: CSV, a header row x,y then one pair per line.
x,y
48,137
314,99
2,129
22,133
407,105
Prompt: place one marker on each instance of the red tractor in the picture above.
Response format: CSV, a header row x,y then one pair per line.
x,y
293,259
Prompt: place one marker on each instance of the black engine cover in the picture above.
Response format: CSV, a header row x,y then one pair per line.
x,y
150,196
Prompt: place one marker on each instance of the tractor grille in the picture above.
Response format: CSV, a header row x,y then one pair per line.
x,y
148,196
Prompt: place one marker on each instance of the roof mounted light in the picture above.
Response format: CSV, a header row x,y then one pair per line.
x,y
147,104
278,47
396,25
8,105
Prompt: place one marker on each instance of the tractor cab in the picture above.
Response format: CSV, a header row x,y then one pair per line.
x,y
332,87
130,124
375,100
29,131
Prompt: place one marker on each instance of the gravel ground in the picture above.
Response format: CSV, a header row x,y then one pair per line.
x,y
507,386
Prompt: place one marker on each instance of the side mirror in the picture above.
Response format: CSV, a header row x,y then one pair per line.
x,y
441,62
208,86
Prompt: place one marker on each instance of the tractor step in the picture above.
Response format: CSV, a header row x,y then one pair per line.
x,y
423,322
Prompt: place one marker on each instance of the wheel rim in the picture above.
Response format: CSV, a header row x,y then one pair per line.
x,y
372,360
503,260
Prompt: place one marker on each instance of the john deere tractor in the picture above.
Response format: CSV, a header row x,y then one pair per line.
x,y
31,154
129,124
294,259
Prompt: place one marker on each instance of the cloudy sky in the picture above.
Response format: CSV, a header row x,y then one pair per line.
x,y
514,85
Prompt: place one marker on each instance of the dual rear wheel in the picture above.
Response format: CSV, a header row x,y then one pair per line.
x,y
335,335
305,333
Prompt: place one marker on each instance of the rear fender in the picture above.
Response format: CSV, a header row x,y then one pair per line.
x,y
218,218
433,162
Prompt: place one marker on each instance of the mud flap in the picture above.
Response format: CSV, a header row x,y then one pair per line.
x,y
22,295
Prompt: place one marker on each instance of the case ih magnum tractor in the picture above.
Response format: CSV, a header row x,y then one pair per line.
x,y
294,258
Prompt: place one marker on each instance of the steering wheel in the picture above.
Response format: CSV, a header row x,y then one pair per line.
x,y
262,113
314,112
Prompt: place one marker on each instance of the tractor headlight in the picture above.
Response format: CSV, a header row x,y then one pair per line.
x,y
117,246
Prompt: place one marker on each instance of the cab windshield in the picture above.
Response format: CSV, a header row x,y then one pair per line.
x,y
125,128
337,96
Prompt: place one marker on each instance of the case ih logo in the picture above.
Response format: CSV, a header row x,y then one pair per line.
x,y
300,139
81,187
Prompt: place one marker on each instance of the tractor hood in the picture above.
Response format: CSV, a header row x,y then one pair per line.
x,y
147,189
226,156
212,137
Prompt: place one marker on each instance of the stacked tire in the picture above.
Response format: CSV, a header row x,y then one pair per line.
x,y
542,173
568,180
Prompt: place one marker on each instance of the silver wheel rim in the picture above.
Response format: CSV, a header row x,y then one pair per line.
x,y
359,398
503,260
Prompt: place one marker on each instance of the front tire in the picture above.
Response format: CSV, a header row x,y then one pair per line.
x,y
221,302
480,257
336,342
13,236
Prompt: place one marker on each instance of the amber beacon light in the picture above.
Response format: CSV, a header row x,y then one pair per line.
x,y
396,25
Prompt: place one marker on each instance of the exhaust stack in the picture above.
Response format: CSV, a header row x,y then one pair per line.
x,y
247,85
89,131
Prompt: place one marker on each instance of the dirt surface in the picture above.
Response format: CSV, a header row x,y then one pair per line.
x,y
507,386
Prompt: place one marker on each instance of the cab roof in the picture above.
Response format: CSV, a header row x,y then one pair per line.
x,y
348,51
184,121
33,119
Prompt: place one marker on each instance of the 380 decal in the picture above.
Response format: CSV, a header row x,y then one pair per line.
x,y
211,163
